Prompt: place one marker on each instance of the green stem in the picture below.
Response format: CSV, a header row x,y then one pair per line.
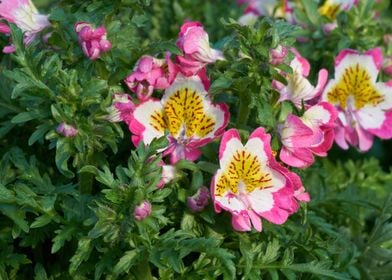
x,y
244,110
86,179
142,271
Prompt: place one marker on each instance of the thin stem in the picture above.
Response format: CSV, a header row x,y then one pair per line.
x,y
244,110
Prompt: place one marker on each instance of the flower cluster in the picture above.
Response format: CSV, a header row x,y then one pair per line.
x,y
172,100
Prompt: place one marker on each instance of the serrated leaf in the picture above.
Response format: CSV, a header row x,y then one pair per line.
x,y
81,254
41,221
126,262
15,214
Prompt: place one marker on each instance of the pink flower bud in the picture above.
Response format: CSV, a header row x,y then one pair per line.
x,y
66,130
168,174
142,211
199,200
329,27
388,39
93,41
278,55
388,66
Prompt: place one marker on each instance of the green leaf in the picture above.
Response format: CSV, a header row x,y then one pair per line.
x,y
41,221
126,262
39,133
24,117
82,254
63,234
16,214
40,273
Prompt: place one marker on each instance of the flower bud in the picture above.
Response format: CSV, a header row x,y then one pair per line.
x,y
199,200
93,41
278,55
142,211
66,130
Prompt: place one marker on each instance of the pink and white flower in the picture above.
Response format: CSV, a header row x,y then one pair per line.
x,y
331,8
364,105
193,41
142,211
25,15
186,113
251,184
311,134
298,88
93,41
121,108
278,55
169,172
66,130
151,73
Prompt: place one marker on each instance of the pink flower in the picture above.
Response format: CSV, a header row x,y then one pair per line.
x,y
331,8
121,109
251,184
151,73
199,200
364,106
93,41
168,174
25,15
313,133
278,55
66,130
142,211
298,88
194,43
186,113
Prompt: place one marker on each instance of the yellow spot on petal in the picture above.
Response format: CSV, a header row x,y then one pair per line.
x,y
244,168
330,10
355,83
157,121
186,114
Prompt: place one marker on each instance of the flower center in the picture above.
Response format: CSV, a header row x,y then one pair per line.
x,y
330,10
186,116
243,175
355,87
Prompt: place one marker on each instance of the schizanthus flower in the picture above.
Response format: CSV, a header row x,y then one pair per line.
x,y
298,88
25,15
186,113
251,184
93,41
151,73
193,41
364,105
313,133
